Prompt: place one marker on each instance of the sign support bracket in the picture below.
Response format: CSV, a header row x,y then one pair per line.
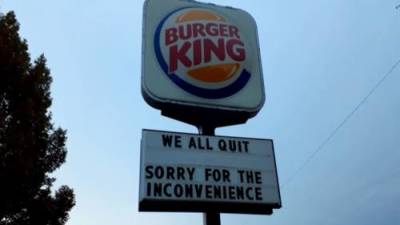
x,y
209,218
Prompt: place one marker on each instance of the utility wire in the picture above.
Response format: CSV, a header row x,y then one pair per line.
x,y
346,119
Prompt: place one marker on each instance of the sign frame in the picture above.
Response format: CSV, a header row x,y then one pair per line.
x,y
193,109
163,205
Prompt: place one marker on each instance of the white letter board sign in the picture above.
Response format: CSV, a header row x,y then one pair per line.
x,y
195,173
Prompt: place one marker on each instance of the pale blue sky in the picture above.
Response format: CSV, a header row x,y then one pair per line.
x,y
320,58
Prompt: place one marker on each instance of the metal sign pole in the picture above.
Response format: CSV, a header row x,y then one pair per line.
x,y
209,218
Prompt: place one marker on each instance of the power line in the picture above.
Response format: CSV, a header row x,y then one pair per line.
x,y
347,118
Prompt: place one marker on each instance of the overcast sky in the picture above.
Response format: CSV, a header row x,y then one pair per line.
x,y
320,60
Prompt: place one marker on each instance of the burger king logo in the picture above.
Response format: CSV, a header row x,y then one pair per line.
x,y
203,52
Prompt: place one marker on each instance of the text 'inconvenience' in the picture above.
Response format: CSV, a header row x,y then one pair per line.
x,y
194,167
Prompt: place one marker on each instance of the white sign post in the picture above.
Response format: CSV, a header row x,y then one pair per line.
x,y
201,64
189,172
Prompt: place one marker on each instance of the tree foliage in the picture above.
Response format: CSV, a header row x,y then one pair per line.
x,y
30,147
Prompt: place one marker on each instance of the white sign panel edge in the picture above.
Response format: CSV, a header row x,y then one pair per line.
x,y
182,156
150,67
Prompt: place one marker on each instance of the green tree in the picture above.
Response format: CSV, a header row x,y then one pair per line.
x,y
30,147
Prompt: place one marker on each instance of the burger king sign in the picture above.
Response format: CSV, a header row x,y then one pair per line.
x,y
200,58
